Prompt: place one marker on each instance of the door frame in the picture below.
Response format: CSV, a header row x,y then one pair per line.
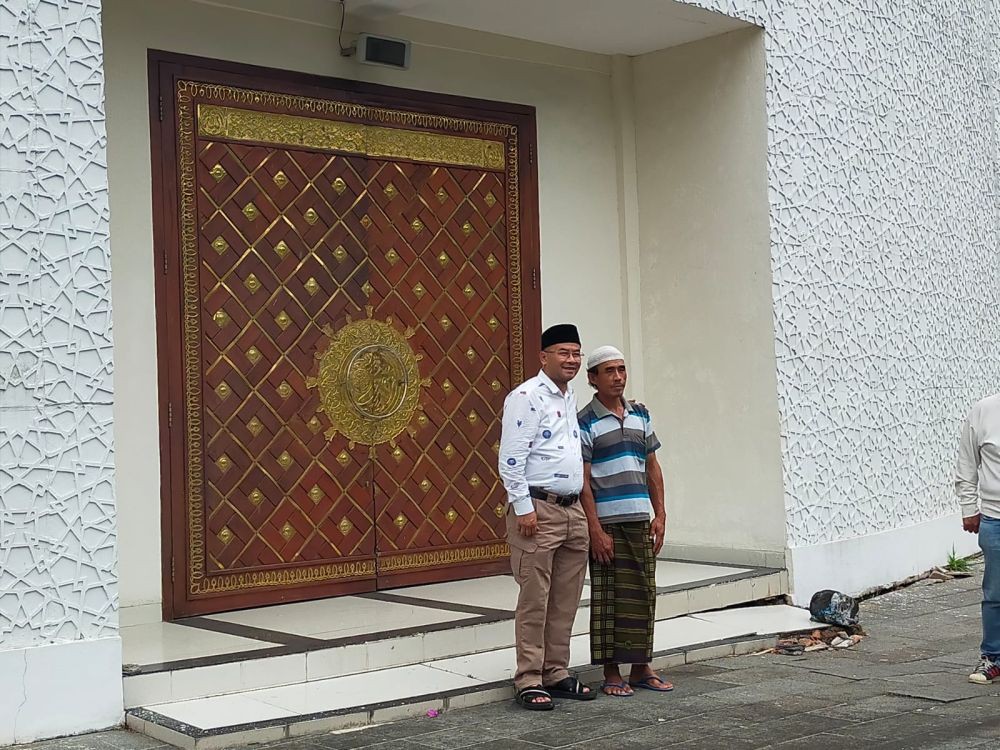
x,y
164,68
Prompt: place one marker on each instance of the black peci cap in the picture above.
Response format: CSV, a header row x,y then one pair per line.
x,y
564,333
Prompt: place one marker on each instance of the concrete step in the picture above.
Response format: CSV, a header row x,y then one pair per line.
x,y
355,700
284,645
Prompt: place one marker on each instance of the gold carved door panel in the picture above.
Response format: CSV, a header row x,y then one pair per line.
x,y
349,319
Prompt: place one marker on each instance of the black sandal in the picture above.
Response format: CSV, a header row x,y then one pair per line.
x,y
572,689
526,698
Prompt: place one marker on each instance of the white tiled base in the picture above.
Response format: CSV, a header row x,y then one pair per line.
x,y
857,564
158,642
341,617
167,639
415,688
60,689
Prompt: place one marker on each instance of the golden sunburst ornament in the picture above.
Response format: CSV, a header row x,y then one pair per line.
x,y
368,380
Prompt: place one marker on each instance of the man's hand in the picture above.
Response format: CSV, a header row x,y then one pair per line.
x,y
971,523
657,530
602,546
527,524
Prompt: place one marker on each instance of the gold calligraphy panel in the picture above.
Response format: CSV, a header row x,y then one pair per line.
x,y
356,138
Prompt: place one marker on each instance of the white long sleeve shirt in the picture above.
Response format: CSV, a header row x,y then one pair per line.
x,y
540,442
977,471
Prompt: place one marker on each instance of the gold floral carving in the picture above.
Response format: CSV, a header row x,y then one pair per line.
x,y
434,558
235,124
368,381
287,577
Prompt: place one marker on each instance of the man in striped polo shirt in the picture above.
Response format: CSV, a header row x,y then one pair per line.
x,y
623,499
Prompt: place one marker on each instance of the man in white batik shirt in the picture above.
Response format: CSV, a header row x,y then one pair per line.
x,y
542,470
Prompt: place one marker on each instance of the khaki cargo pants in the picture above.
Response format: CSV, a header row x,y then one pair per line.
x,y
550,568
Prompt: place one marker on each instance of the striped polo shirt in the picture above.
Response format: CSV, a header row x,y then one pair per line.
x,y
616,450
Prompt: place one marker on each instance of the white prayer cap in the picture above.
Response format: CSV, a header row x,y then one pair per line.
x,y
603,354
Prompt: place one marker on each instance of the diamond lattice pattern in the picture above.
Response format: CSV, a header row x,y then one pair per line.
x,y
292,241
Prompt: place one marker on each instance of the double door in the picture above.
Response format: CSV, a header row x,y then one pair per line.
x,y
342,313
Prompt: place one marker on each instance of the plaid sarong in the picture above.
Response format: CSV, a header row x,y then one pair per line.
x,y
623,598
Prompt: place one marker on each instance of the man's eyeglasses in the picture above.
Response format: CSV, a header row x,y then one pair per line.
x,y
565,353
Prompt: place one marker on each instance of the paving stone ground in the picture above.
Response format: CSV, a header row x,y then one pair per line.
x,y
904,687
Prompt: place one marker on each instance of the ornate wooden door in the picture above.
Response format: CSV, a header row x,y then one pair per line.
x,y
438,501
341,314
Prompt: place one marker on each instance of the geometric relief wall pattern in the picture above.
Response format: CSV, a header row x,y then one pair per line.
x,y
58,561
882,171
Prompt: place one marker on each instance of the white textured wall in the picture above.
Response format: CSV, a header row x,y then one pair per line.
x,y
707,314
576,165
58,567
881,151
60,656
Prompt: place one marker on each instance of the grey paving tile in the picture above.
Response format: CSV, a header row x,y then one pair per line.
x,y
684,686
875,707
898,727
581,731
700,669
661,735
822,741
944,687
766,671
297,743
939,741
716,743
782,729
114,739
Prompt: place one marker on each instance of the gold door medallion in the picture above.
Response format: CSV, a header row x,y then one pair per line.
x,y
368,381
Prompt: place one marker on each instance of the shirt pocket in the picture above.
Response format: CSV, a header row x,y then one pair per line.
x,y
635,443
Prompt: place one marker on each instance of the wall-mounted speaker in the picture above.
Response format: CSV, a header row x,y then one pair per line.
x,y
383,50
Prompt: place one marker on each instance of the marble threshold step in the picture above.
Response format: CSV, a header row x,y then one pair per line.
x,y
297,644
350,701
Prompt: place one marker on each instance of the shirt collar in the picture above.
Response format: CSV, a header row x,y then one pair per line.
x,y
602,411
550,384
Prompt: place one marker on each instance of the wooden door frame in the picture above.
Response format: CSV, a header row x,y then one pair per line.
x,y
164,68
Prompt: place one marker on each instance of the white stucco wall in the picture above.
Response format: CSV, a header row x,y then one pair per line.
x,y
886,281
60,655
577,175
707,320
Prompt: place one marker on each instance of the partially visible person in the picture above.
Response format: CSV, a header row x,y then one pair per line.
x,y
542,471
977,484
623,499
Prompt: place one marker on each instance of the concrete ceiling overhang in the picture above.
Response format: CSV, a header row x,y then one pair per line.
x,y
608,27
